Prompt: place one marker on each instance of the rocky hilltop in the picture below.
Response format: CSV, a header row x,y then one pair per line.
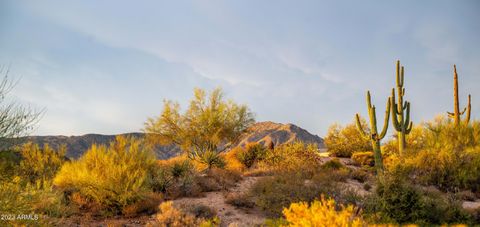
x,y
262,132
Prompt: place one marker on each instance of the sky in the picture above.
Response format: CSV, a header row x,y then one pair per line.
x,y
106,66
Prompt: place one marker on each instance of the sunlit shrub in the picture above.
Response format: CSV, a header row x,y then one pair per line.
x,y
363,158
343,141
298,156
231,160
40,164
323,212
113,176
251,154
169,216
448,159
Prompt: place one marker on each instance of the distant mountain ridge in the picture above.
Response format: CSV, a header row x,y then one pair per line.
x,y
261,132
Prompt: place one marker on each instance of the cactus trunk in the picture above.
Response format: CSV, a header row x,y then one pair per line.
x,y
377,155
456,104
400,110
373,135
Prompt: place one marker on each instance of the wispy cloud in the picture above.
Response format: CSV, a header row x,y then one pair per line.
x,y
106,66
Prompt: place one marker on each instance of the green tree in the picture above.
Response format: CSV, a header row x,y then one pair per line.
x,y
209,126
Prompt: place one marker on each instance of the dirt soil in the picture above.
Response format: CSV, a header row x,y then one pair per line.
x,y
228,214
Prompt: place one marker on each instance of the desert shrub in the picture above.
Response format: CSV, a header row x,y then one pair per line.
x,y
251,154
273,193
239,200
211,159
297,157
395,200
175,177
148,205
13,199
360,175
231,161
333,163
9,161
343,141
323,212
40,164
201,211
363,158
448,159
414,141
21,197
367,186
114,176
218,179
169,216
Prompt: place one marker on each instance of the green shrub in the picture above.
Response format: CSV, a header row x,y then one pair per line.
x,y
333,163
113,176
271,194
363,158
211,159
343,141
252,153
396,200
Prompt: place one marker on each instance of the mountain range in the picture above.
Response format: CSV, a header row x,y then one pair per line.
x,y
261,132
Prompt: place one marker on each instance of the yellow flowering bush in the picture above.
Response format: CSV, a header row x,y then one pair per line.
x,y
321,213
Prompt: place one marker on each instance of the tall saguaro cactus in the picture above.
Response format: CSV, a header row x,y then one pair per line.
x,y
400,110
373,135
456,105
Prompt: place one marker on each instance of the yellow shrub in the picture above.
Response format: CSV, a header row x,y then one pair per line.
x,y
343,141
363,158
40,164
173,217
232,162
321,213
113,176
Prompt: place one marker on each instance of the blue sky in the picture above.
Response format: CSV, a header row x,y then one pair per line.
x,y
105,66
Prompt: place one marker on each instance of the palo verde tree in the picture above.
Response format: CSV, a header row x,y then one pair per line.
x,y
208,127
400,110
456,105
16,120
374,136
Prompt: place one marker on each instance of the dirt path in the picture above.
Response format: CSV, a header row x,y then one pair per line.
x,y
228,214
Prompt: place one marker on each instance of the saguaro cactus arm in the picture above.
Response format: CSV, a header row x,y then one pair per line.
x,y
469,108
386,119
360,127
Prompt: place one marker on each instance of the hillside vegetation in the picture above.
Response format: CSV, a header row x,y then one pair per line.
x,y
427,174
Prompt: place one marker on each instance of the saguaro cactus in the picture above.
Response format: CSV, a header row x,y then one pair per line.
x,y
373,135
456,105
400,110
